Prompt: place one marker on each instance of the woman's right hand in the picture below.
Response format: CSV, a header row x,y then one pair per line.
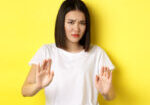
x,y
44,75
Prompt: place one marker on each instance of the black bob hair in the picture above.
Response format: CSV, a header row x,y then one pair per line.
x,y
69,5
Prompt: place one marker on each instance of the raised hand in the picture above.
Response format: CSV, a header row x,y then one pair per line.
x,y
103,81
44,75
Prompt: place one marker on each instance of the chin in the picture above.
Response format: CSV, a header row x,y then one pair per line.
x,y
74,40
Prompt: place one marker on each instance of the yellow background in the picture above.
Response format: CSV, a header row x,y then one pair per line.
x,y
120,27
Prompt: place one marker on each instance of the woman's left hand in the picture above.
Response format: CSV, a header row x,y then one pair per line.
x,y
103,81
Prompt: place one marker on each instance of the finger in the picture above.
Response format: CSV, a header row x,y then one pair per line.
x,y
46,64
108,72
38,68
96,79
43,64
102,71
52,73
105,71
51,76
49,65
110,75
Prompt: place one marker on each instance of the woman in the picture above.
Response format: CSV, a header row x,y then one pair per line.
x,y
82,70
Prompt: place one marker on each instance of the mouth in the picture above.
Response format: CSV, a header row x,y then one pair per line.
x,y
75,35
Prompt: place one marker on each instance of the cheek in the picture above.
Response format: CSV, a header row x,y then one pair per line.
x,y
83,28
67,29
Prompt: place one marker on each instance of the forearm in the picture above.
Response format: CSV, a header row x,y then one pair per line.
x,y
110,95
30,89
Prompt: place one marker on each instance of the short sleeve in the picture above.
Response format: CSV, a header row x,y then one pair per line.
x,y
38,57
105,61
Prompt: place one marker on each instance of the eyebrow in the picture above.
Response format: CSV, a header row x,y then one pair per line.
x,y
75,20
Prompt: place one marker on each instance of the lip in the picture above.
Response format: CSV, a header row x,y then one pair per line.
x,y
75,35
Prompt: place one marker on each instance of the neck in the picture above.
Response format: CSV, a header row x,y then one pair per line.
x,y
73,47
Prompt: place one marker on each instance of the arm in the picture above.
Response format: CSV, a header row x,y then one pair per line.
x,y
30,87
103,83
110,95
38,78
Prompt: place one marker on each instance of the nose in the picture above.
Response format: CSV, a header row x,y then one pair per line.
x,y
77,28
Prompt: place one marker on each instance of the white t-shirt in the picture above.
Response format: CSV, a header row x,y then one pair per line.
x,y
74,74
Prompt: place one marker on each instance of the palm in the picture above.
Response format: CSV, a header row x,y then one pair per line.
x,y
103,81
43,75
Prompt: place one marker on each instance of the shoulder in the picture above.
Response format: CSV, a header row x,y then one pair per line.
x,y
48,46
96,48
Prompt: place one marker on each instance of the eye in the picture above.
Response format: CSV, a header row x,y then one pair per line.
x,y
70,22
82,23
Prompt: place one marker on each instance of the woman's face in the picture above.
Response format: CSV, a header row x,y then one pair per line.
x,y
75,26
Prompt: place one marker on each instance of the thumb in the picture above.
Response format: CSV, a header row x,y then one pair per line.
x,y
97,79
52,73
51,76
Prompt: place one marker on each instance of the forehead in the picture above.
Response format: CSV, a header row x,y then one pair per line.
x,y
75,15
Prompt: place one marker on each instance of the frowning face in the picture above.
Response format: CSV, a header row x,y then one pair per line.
x,y
75,26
